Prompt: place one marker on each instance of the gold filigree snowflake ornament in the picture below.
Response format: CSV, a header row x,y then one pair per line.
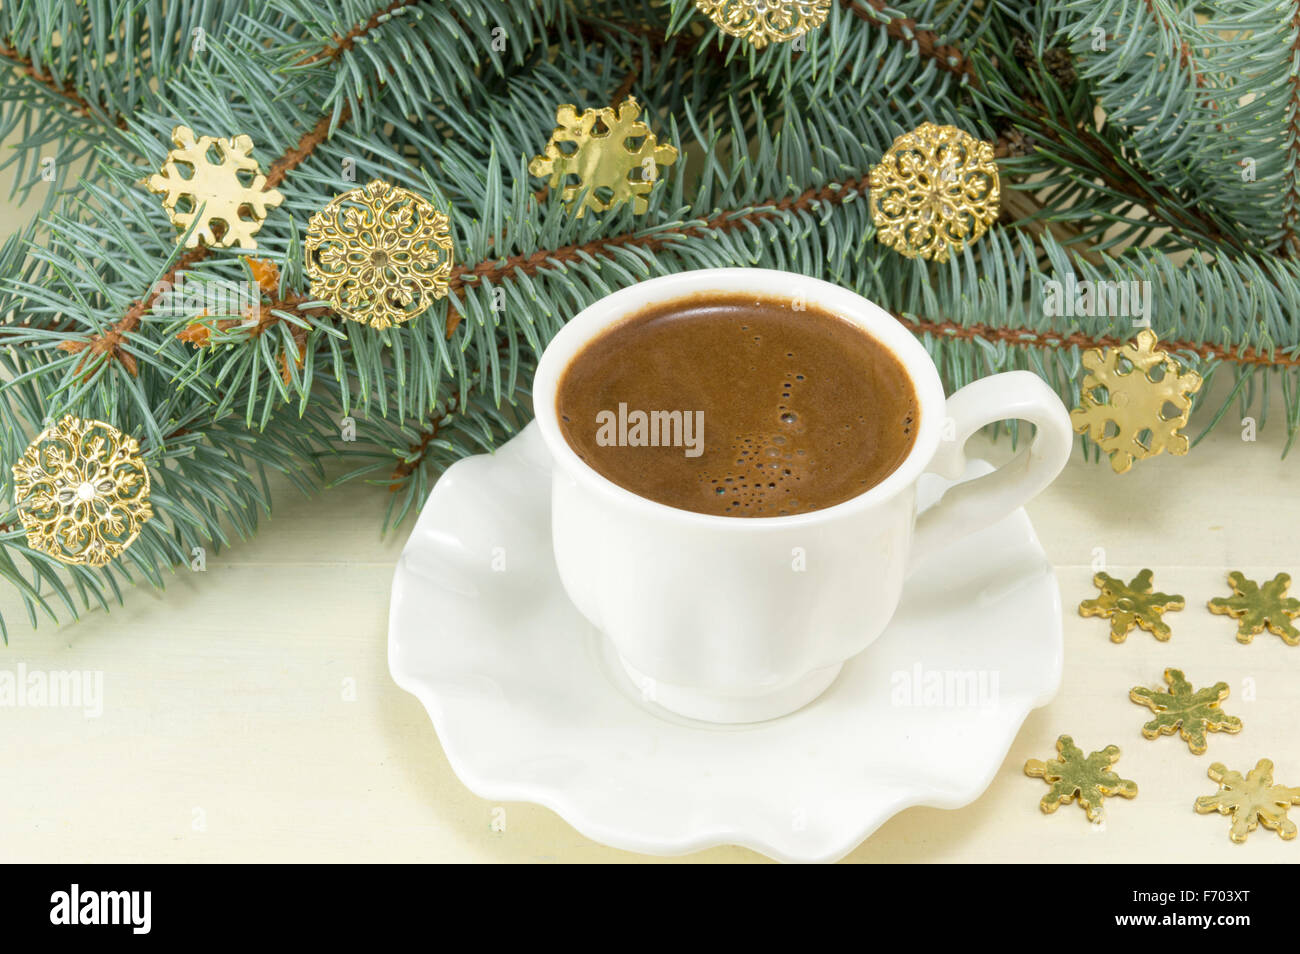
x,y
614,157
1134,401
216,181
765,21
82,492
379,255
936,189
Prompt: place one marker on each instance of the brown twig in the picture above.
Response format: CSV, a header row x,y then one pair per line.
x,y
64,90
306,146
1035,338
625,88
1291,217
946,57
421,447
345,41
530,264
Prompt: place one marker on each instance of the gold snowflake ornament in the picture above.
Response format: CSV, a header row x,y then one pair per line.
x,y
82,492
1251,801
1131,604
1185,710
379,255
218,182
1256,608
1130,423
765,21
1074,776
612,154
935,189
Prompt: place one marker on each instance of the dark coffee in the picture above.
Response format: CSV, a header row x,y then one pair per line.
x,y
731,404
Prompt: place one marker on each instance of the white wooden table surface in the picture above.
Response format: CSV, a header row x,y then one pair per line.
x,y
248,714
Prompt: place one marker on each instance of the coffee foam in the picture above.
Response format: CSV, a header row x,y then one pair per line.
x,y
799,405
769,467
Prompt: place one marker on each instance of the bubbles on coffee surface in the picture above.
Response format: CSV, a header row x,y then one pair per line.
x,y
766,468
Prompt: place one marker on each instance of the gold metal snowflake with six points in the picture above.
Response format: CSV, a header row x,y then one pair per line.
x,y
1183,709
1074,776
603,157
1131,604
1126,398
1256,608
1251,800
218,182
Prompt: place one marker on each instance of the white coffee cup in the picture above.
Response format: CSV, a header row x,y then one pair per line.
x,y
740,619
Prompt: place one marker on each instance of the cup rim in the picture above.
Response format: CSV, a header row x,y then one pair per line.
x,y
882,326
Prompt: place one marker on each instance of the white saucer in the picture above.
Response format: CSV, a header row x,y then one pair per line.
x,y
531,704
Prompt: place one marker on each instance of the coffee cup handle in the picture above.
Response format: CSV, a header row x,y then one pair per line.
x,y
982,501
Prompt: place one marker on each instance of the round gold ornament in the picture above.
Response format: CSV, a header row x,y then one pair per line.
x,y
934,189
765,21
82,492
379,255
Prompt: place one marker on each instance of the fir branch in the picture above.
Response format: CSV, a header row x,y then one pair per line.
x,y
1209,125
1248,355
110,343
1186,59
310,140
88,68
420,448
1291,194
1100,157
904,29
650,241
342,43
773,174
60,90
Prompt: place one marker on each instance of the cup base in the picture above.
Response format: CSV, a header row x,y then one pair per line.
x,y
729,708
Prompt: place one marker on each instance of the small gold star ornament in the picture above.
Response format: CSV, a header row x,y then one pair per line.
x,y
765,21
1131,604
596,147
379,255
934,190
203,178
1073,776
1182,709
82,492
1251,801
1256,608
1122,407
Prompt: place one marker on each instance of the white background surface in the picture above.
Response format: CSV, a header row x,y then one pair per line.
x,y
248,712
